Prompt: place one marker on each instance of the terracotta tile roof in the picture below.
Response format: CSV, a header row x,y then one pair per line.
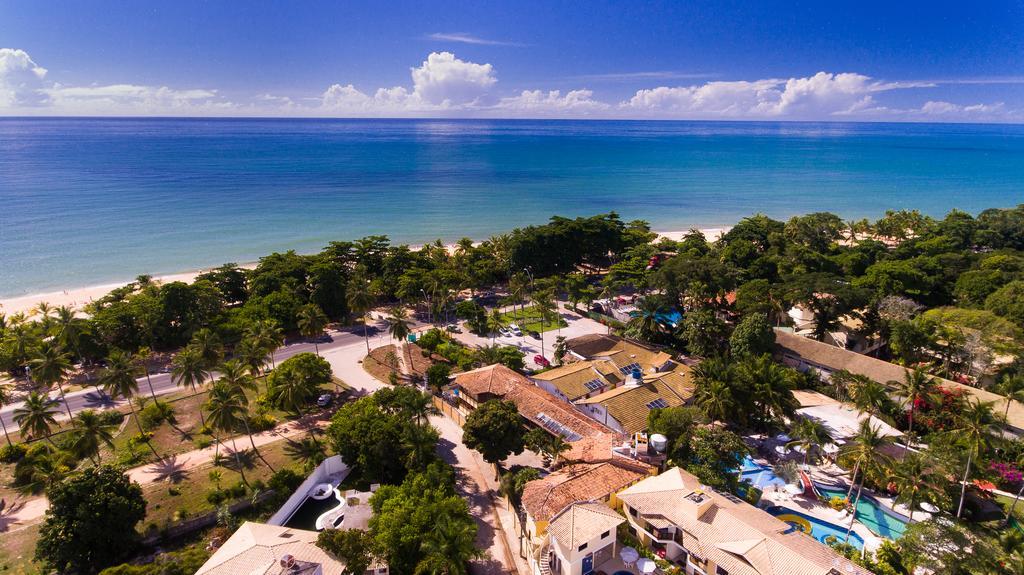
x,y
257,548
798,348
572,379
544,498
533,403
595,448
493,379
591,344
730,532
582,522
630,405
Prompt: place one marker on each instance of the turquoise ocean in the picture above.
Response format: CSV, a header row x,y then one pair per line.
x,y
94,201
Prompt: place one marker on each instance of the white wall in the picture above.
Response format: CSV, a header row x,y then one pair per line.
x,y
331,466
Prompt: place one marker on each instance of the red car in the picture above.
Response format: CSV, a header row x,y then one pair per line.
x,y
541,361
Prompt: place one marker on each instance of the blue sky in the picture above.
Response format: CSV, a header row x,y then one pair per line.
x,y
914,61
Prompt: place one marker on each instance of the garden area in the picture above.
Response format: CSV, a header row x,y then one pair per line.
x,y
530,318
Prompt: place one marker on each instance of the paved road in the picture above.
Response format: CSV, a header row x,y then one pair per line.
x,y
162,383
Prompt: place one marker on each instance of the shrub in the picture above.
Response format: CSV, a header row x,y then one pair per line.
x,y
111,417
262,422
285,480
12,453
837,503
237,490
216,496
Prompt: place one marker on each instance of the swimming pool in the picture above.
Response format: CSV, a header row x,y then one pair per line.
x,y
876,517
817,528
760,476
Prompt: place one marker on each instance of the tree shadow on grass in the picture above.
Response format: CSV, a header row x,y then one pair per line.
x,y
168,469
245,456
8,514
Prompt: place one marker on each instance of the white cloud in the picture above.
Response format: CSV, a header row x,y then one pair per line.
x,y
464,38
446,80
575,102
21,79
133,99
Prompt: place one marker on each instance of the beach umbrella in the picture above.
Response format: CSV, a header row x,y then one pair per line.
x,y
925,506
645,565
628,555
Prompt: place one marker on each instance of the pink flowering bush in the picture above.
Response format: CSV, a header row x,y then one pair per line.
x,y
1007,474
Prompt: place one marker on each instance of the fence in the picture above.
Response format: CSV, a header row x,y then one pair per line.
x,y
449,410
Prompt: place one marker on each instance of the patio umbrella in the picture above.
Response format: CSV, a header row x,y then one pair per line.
x,y
628,555
830,448
645,565
794,489
925,506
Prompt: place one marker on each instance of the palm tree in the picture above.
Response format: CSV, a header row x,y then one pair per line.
x,y
307,451
398,327
36,416
420,443
227,410
71,330
495,321
5,398
251,353
420,406
118,379
141,360
808,434
312,321
269,336
916,386
188,369
556,447
647,322
89,434
915,479
865,449
44,309
771,387
544,303
715,399
1012,388
208,344
869,396
977,428
448,548
360,300
50,367
236,377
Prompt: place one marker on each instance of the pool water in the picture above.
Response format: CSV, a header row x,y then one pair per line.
x,y
817,528
306,515
879,519
760,476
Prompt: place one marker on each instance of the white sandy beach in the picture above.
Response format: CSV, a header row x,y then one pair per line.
x,y
78,297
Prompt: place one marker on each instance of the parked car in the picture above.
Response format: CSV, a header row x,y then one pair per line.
x,y
534,334
453,328
541,360
325,400
505,332
514,328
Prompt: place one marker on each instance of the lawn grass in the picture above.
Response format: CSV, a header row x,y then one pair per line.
x,y
376,363
529,319
1006,502
17,549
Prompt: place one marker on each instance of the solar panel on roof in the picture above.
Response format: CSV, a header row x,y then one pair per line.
x,y
629,368
557,427
594,385
657,404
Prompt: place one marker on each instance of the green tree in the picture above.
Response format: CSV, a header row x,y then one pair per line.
x,y
188,369
495,430
251,353
312,321
647,321
84,513
977,428
448,548
209,347
360,301
495,321
809,434
354,547
1011,386
89,434
438,376
226,405
36,416
235,376
398,325
307,451
753,336
118,379
5,398
705,333
715,455
771,388
865,450
916,479
917,386
298,381
269,335
1008,302
50,367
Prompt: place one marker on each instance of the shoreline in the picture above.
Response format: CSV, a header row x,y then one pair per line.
x,y
78,297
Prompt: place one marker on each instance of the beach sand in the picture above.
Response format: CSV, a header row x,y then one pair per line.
x,y
77,298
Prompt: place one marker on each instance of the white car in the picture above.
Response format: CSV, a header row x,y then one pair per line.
x,y
514,329
505,332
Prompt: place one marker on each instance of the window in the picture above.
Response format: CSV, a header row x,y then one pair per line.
x,y
632,512
607,533
657,404
581,547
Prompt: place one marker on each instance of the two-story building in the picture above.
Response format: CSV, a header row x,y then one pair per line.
x,y
707,532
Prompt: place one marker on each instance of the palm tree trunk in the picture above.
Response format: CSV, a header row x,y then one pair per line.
x,y
366,335
152,392
258,454
853,480
7,436
142,432
1009,514
60,388
910,428
853,515
316,348
913,502
963,486
238,461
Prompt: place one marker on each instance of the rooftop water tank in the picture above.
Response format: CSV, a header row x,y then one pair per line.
x,y
659,442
